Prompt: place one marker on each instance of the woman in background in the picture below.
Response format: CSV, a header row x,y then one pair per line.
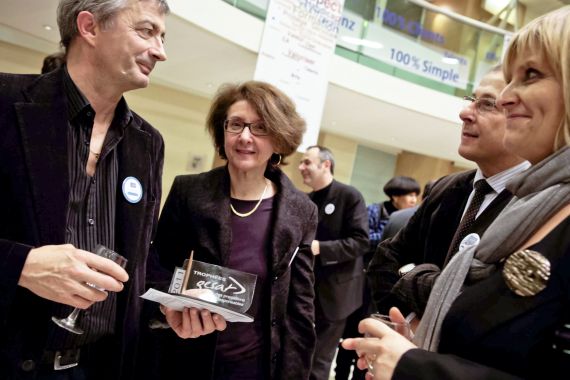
x,y
403,193
248,216
501,309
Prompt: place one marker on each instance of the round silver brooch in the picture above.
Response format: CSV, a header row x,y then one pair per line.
x,y
526,272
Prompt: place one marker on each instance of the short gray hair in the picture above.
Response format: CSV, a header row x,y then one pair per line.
x,y
324,155
103,10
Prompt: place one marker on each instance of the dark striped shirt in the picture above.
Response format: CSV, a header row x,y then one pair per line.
x,y
92,204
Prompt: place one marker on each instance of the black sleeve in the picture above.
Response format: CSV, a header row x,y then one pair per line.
x,y
418,364
391,255
354,237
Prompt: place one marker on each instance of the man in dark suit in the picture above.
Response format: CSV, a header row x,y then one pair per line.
x,y
426,240
79,169
341,241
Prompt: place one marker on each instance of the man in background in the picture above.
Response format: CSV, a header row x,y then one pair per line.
x,y
340,243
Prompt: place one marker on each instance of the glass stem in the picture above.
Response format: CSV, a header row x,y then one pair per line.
x,y
74,314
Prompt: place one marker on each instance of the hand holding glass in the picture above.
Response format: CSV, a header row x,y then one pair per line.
x,y
69,323
403,328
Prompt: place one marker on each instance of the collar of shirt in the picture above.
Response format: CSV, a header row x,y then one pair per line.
x,y
79,106
497,183
499,180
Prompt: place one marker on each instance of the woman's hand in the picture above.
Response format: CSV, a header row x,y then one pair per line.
x,y
193,323
383,349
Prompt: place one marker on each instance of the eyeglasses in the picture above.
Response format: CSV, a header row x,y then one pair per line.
x,y
481,104
234,125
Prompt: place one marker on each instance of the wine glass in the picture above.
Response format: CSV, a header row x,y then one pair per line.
x,y
401,327
69,322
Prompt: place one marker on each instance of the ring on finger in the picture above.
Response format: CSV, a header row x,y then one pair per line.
x,y
369,360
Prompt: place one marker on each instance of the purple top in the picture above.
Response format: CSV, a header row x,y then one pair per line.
x,y
249,253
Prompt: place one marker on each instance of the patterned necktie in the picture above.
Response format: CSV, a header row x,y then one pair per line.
x,y
482,188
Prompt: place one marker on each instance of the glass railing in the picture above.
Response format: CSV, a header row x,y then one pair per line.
x,y
412,41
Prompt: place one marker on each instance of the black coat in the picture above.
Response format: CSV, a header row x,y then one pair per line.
x,y
196,217
343,241
425,240
34,197
493,334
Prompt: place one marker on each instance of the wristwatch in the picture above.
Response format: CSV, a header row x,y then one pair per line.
x,y
405,269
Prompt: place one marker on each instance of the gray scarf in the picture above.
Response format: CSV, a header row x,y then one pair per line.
x,y
539,193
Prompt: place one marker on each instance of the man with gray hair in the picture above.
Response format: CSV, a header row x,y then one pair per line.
x,y
341,242
79,169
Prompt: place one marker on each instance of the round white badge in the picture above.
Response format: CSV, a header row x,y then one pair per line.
x,y
329,209
468,241
132,190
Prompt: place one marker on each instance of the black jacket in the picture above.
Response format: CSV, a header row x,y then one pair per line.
x,y
492,333
34,197
196,217
343,240
425,240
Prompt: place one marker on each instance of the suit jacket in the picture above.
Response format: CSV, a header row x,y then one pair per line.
x,y
196,216
343,240
34,198
397,221
425,240
492,333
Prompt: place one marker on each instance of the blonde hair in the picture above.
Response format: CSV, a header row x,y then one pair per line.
x,y
548,35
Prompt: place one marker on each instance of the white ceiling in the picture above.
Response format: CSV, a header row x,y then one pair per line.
x,y
199,61
535,8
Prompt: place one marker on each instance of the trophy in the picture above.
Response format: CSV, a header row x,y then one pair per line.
x,y
221,290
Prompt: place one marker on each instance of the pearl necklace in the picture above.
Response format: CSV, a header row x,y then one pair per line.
x,y
243,215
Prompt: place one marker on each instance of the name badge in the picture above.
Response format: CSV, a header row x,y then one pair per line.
x,y
469,241
132,190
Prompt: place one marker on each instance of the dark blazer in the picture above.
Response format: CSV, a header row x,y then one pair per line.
x,y
425,240
34,197
196,217
343,240
492,333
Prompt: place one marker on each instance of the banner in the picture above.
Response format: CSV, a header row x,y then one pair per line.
x,y
402,51
296,48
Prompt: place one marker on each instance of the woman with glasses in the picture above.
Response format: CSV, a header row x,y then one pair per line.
x,y
248,216
501,308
